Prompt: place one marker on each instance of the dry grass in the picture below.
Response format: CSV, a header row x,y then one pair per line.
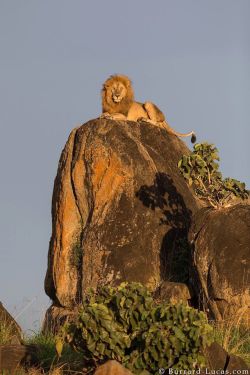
x,y
6,332
233,336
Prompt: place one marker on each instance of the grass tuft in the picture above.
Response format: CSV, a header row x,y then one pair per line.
x,y
47,356
7,330
234,337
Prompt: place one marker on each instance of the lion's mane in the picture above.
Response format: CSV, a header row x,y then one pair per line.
x,y
108,105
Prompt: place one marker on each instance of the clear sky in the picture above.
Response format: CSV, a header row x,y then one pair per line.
x,y
191,57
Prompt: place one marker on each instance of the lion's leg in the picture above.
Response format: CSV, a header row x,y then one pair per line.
x,y
136,111
153,112
145,119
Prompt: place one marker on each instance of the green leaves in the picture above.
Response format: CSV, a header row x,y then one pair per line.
x,y
201,170
126,324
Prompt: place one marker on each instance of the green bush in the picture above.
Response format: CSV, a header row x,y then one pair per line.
x,y
126,324
201,169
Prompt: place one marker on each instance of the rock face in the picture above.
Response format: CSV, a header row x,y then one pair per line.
x,y
120,209
221,261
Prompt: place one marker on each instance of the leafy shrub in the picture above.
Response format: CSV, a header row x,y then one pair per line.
x,y
201,169
126,324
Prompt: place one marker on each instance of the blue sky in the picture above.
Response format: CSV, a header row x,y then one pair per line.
x,y
190,57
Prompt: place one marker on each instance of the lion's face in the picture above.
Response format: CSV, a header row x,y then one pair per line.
x,y
117,94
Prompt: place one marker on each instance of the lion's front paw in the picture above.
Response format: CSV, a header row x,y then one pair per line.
x,y
145,119
106,115
114,116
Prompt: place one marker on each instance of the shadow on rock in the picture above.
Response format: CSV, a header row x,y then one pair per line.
x,y
175,248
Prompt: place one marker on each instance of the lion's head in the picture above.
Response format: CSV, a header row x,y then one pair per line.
x,y
117,95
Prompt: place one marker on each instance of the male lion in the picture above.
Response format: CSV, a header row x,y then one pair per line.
x,y
118,103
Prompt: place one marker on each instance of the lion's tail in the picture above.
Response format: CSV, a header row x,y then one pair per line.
x,y
190,134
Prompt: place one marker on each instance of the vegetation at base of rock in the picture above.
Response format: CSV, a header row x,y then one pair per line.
x,y
46,344
47,357
126,324
201,170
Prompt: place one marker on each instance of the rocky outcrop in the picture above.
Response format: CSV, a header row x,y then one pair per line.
x,y
120,209
221,253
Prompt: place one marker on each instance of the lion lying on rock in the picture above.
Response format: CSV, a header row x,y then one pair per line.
x,y
118,103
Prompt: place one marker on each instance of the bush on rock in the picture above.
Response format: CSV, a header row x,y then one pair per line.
x,y
201,169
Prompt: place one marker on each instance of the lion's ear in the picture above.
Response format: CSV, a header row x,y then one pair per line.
x,y
129,83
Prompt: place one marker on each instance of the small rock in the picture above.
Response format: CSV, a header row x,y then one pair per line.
x,y
173,292
237,363
216,356
218,359
12,356
112,367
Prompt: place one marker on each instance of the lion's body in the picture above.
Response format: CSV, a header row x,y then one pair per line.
x,y
118,103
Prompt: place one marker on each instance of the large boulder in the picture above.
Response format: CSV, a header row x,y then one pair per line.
x,y
120,209
221,253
